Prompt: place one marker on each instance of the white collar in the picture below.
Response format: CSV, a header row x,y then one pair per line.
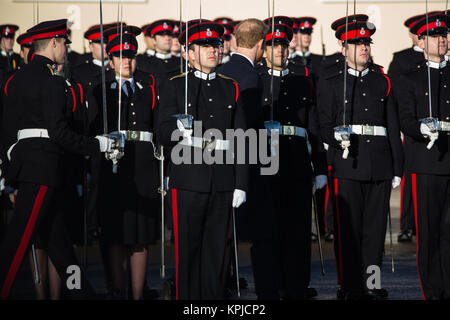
x,y
437,65
204,76
278,73
99,62
447,58
225,59
150,52
253,65
7,53
357,73
163,56
417,49
301,54
177,55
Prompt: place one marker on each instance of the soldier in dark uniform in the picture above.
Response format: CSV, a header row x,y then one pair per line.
x,y
430,170
149,42
25,42
362,182
34,106
405,61
129,223
202,194
175,48
162,64
9,60
302,165
227,35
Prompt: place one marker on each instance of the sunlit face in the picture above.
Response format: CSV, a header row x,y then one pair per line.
x,y
163,43
176,47
436,45
358,55
280,55
303,40
149,42
128,66
204,57
96,49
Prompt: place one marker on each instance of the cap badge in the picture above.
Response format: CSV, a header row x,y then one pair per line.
x,y
362,32
277,33
306,24
438,23
208,32
7,30
126,46
165,26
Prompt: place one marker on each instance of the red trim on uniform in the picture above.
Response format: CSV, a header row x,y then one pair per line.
x,y
81,93
48,35
153,91
352,34
237,90
161,28
431,25
74,99
338,231
203,35
175,232
306,71
414,192
278,35
389,84
381,69
327,197
6,85
23,245
402,186
310,87
123,47
32,56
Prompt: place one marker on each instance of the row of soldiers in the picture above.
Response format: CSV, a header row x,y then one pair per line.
x,y
351,143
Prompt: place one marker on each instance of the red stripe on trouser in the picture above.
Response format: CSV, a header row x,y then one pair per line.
x,y
414,192
327,196
338,220
23,245
175,231
402,186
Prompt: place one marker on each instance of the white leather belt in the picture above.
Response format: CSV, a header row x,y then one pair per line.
x,y
32,133
138,135
202,143
444,126
294,131
367,130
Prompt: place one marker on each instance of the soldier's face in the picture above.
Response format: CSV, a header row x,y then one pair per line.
x,y
303,40
24,53
149,42
96,49
7,44
293,44
205,57
226,47
175,48
280,55
60,49
233,45
436,46
163,43
128,66
358,55
414,38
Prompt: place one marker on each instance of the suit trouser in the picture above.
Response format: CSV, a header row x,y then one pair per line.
x,y
361,218
201,229
406,204
431,197
36,213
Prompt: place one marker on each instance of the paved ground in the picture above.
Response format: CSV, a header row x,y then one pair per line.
x,y
403,284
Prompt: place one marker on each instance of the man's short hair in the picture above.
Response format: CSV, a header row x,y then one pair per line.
x,y
248,32
41,45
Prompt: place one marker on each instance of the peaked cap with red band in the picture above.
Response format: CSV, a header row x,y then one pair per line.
x,y
352,18
25,40
280,20
437,24
50,29
93,34
192,23
223,20
356,32
227,23
8,30
114,31
305,24
160,27
282,34
128,45
412,20
202,34
176,28
234,24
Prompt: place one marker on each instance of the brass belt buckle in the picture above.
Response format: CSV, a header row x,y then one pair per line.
x,y
289,130
368,130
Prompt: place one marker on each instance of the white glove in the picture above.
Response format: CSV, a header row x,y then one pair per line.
x,y
239,197
325,146
187,133
396,182
338,136
426,131
114,155
320,181
106,144
2,184
345,144
166,183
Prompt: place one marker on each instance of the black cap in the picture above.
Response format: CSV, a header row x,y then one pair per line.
x,y
202,34
8,30
25,40
192,23
412,20
115,31
280,20
93,34
160,27
437,24
127,43
282,34
352,18
305,24
50,29
356,32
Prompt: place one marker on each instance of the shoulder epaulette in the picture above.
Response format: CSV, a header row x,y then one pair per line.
x,y
178,76
225,77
